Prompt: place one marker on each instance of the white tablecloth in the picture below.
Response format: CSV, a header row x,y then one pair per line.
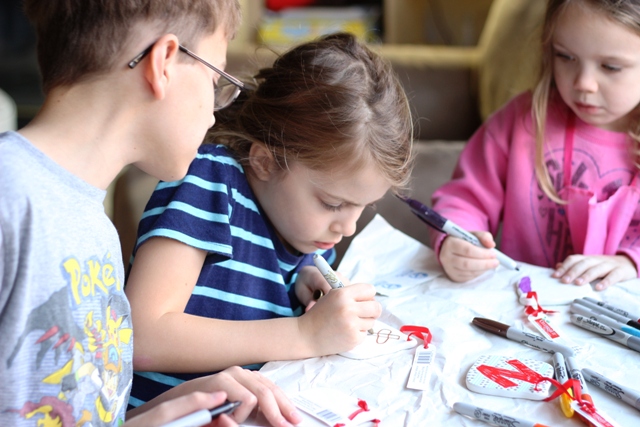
x,y
424,296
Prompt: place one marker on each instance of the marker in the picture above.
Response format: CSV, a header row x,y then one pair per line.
x,y
620,311
595,307
562,375
330,276
606,331
523,337
492,417
560,369
576,374
328,273
204,416
627,395
440,223
604,319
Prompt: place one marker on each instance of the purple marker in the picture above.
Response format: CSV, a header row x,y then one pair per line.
x,y
440,223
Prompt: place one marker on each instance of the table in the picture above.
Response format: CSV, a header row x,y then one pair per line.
x,y
428,298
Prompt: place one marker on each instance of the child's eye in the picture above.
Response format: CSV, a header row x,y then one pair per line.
x,y
563,56
613,68
332,208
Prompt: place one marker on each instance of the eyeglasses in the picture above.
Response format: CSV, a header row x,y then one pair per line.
x,y
225,92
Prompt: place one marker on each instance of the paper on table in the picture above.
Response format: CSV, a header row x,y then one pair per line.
x,y
334,407
412,263
385,340
447,308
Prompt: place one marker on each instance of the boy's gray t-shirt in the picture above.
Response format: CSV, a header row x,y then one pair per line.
x,y
65,323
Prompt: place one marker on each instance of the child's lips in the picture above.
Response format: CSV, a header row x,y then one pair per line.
x,y
587,108
325,245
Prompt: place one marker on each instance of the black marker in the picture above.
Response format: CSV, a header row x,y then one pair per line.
x,y
203,416
617,310
601,310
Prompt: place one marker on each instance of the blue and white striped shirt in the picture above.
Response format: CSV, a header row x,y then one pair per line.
x,y
248,274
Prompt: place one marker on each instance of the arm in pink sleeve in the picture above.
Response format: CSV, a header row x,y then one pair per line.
x,y
633,254
474,198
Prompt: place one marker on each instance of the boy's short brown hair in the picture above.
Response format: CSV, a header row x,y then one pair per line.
x,y
81,38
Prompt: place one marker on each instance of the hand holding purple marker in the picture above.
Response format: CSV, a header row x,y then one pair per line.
x,y
440,223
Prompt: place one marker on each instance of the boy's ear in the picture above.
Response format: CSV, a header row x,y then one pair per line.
x,y
261,161
159,68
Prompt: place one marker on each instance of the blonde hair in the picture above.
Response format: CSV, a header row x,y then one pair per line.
x,y
624,12
324,103
81,38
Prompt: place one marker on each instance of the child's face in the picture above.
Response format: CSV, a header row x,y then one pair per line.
x,y
313,210
189,107
596,67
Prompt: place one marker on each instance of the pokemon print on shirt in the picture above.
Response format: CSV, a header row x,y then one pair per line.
x,y
74,343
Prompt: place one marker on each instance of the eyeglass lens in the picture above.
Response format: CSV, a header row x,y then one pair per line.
x,y
225,93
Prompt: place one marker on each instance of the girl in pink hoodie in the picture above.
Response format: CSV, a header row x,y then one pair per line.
x,y
557,169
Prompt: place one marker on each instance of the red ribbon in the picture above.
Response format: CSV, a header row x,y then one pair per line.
x,y
535,311
421,332
363,407
524,373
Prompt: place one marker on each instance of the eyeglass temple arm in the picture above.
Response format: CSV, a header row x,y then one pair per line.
x,y
135,61
217,70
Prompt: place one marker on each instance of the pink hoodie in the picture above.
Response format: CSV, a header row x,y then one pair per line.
x,y
494,184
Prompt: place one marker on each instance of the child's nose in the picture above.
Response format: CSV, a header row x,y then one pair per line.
x,y
585,81
346,225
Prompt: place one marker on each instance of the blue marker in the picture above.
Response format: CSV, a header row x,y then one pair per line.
x,y
604,319
606,331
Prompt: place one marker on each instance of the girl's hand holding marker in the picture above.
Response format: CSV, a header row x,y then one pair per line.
x,y
276,184
331,277
550,170
327,272
336,321
461,261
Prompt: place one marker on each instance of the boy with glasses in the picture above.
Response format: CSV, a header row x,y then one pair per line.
x,y
65,322
225,92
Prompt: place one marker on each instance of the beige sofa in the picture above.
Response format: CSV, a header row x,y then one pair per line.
x,y
451,91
